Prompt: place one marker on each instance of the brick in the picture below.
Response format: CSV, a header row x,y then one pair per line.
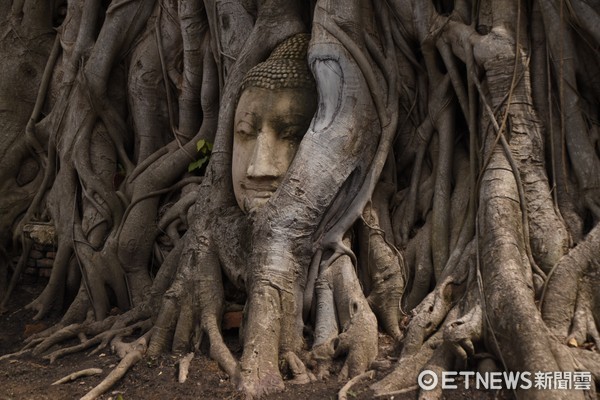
x,y
36,254
45,263
45,272
31,329
39,247
232,319
51,254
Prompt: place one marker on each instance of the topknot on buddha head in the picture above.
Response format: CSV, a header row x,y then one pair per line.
x,y
286,67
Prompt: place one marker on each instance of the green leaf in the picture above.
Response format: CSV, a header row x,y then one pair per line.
x,y
197,164
204,148
193,166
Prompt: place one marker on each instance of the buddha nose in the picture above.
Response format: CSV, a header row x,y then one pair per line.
x,y
265,160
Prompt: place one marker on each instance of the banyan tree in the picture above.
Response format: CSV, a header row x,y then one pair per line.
x,y
427,169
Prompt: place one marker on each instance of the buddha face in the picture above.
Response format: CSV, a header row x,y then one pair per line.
x,y
268,127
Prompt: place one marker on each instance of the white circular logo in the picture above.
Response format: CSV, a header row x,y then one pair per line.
x,y
427,380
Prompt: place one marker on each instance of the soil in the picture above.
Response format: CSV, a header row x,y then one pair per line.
x,y
26,377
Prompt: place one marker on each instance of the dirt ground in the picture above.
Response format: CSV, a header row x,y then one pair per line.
x,y
27,377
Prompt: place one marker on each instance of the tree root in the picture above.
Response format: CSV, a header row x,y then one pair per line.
x,y
101,339
441,360
420,265
438,353
259,364
408,368
431,342
184,367
101,332
27,245
300,375
583,324
385,267
135,353
461,333
343,393
68,332
394,393
77,375
340,298
17,354
567,288
52,293
211,296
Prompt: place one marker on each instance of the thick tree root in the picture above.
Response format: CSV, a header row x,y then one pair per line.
x,y
259,364
405,374
300,375
340,298
441,360
436,333
384,264
584,325
568,300
184,367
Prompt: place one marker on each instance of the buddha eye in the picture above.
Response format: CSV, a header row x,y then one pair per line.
x,y
245,130
292,132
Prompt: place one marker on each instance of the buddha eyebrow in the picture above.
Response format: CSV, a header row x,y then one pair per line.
x,y
292,118
248,117
250,114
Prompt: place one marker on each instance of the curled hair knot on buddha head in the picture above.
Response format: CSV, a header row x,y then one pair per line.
x,y
286,67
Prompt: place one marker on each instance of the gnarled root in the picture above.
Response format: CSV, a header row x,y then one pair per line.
x,y
134,352
408,368
384,264
459,335
101,333
209,292
340,298
111,335
259,364
429,343
300,375
569,302
358,339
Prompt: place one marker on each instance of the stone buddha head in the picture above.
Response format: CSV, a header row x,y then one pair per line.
x,y
277,102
